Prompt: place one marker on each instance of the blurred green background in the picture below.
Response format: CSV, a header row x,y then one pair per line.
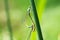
x,y
48,13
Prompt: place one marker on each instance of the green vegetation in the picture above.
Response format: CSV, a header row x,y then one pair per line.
x,y
49,20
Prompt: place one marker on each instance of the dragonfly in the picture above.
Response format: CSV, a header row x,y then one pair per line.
x,y
32,26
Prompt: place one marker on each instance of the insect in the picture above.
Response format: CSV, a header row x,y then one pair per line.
x,y
32,26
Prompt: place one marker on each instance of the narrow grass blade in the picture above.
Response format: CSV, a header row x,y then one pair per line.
x,y
8,19
37,20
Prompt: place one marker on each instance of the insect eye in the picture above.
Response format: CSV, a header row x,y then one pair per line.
x,y
28,10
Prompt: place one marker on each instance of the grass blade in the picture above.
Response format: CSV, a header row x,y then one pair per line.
x,y
37,20
8,19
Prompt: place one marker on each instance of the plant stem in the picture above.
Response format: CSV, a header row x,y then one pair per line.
x,y
37,20
8,19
